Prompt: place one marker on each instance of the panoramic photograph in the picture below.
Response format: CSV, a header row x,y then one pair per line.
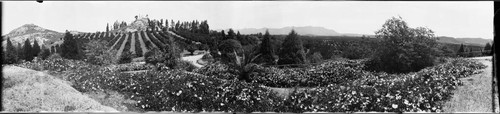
x,y
248,56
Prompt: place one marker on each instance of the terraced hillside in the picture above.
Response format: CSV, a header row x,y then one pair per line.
x,y
138,42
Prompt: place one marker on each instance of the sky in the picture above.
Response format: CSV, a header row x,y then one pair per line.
x,y
446,18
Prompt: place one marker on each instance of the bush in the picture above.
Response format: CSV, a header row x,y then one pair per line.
x,y
125,57
97,53
315,58
185,65
404,49
218,70
333,72
413,92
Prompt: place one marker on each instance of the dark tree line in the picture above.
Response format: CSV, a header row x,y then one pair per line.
x,y
26,52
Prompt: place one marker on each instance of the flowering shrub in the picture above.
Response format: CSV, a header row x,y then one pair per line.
x,y
54,64
331,72
218,70
134,67
413,92
349,89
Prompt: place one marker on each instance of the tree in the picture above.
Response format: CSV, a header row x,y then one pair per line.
x,y
461,50
70,49
471,54
96,52
238,35
125,57
229,49
107,27
204,47
166,24
177,25
27,50
191,48
292,51
403,49
44,53
36,49
268,55
20,52
487,47
231,34
315,58
223,35
10,53
172,24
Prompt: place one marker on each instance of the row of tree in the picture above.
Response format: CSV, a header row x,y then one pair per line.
x,y
26,52
194,26
464,51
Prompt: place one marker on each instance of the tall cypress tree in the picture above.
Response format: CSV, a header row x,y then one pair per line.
x,y
52,49
27,50
44,53
36,49
70,49
20,52
266,49
292,51
461,50
107,28
231,34
487,47
10,53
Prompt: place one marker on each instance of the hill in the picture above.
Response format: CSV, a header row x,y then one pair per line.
x,y
467,41
306,30
28,90
31,31
140,24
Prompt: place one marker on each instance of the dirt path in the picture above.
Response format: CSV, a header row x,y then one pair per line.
x,y
27,90
193,59
476,93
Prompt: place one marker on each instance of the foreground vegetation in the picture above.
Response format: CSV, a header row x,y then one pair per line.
x,y
177,90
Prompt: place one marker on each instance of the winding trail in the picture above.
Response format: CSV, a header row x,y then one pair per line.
x,y
476,93
193,59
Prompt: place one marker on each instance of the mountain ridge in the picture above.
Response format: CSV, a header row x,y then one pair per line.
x,y
31,31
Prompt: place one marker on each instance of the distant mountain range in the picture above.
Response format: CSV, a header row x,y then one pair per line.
x,y
321,31
465,41
49,37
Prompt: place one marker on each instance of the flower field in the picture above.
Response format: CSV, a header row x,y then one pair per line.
x,y
339,87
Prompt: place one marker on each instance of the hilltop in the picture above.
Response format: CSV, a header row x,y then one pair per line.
x,y
140,24
31,31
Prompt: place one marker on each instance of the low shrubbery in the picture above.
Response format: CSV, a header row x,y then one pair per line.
x,y
321,75
343,86
420,91
134,67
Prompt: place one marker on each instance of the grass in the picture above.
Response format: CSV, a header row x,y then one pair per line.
x,y
115,100
474,95
32,91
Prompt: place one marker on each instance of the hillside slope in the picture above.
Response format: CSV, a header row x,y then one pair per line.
x,y
28,90
32,32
